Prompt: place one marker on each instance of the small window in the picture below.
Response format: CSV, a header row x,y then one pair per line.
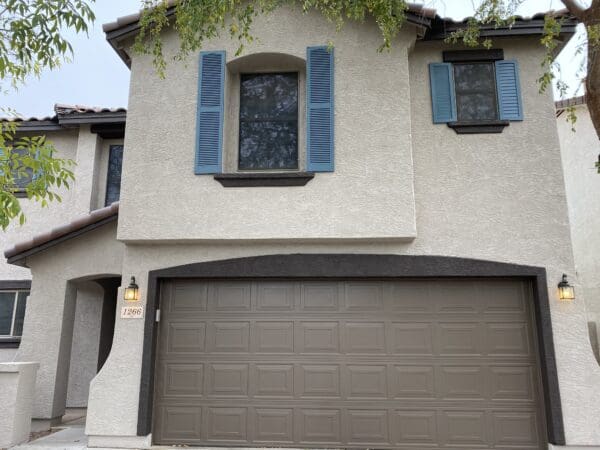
x,y
113,177
268,136
475,88
12,313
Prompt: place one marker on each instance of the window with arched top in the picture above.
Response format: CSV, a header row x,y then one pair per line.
x,y
265,113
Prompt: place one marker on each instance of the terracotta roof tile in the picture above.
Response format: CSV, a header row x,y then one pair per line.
x,y
61,233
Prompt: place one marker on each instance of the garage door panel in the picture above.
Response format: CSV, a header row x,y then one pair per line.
x,y
227,380
409,338
414,427
274,296
184,337
273,337
274,425
403,364
273,380
412,382
227,424
319,426
365,337
229,337
367,426
318,380
320,297
318,337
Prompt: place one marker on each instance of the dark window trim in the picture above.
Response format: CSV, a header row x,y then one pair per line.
x,y
489,127
10,342
476,56
110,152
360,266
264,179
13,286
240,120
465,56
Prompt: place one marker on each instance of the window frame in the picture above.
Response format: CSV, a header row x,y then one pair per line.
x,y
474,91
482,126
110,150
239,122
11,340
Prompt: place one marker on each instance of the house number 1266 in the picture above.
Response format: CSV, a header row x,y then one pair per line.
x,y
132,312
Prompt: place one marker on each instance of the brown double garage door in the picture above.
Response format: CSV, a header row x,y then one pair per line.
x,y
378,364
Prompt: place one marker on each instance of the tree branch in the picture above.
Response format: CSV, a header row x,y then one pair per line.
x,y
575,8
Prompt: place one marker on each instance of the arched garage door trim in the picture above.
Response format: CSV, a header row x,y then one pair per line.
x,y
360,266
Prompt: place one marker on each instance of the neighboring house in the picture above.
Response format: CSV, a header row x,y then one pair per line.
x,y
333,247
93,138
580,151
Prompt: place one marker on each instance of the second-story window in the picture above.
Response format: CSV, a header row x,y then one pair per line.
x,y
113,176
268,137
475,85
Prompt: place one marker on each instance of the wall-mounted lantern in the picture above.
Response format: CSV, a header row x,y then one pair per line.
x,y
565,290
132,292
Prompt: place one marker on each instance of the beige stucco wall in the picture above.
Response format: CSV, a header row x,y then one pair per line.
x,y
580,150
49,318
369,196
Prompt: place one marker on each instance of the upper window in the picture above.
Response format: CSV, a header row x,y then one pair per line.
x,y
476,91
475,87
12,313
268,124
113,177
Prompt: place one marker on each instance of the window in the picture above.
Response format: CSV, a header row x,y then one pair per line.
x,y
476,91
12,313
475,88
268,129
113,177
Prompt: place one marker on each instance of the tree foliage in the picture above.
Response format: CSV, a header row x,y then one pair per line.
x,y
32,39
28,169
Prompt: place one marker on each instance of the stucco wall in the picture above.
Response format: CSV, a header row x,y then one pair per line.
x,y
580,150
370,195
49,318
86,338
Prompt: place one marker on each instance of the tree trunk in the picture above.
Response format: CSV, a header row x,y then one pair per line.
x,y
590,17
592,82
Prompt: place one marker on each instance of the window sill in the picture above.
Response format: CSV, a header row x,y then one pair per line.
x,y
493,126
266,179
9,342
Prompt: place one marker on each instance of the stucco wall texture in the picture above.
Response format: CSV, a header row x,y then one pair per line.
x,y
580,150
402,186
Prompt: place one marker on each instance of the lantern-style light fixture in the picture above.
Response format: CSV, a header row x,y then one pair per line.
x,y
565,290
132,292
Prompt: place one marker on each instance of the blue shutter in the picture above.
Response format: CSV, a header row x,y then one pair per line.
x,y
209,126
443,100
509,90
319,92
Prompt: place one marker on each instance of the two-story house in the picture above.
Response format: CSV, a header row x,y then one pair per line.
x,y
332,247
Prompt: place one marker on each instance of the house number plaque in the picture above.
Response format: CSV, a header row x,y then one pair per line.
x,y
132,312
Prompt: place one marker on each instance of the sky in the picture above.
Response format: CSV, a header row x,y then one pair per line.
x,y
97,76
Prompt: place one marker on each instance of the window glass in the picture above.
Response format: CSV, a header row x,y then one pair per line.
x,y
7,306
269,121
113,179
22,181
20,313
475,86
